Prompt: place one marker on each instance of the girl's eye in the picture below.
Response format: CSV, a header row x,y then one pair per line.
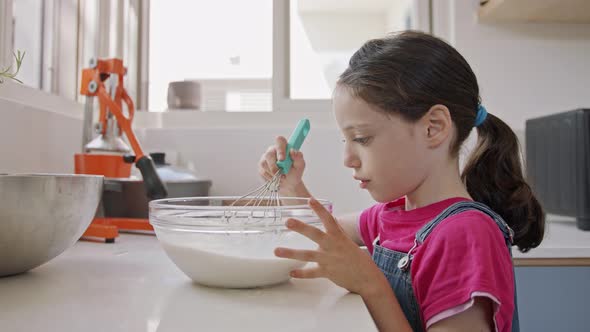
x,y
361,140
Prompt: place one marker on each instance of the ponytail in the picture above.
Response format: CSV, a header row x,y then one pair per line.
x,y
493,175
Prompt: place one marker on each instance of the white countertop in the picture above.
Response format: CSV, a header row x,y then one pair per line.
x,y
562,240
131,285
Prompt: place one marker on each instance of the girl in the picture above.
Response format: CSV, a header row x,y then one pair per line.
x,y
440,239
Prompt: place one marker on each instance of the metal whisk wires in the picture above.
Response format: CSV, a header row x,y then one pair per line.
x,y
259,201
265,195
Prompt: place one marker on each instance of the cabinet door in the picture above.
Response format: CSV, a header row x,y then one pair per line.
x,y
553,298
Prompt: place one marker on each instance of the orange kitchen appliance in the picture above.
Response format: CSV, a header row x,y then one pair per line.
x,y
108,154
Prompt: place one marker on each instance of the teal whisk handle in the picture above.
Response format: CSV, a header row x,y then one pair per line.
x,y
294,143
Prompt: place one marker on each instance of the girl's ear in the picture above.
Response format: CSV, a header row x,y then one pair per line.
x,y
437,125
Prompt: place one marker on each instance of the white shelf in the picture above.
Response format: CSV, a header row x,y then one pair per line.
x,y
562,11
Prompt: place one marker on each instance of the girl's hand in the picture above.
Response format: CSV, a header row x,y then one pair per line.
x,y
291,183
338,258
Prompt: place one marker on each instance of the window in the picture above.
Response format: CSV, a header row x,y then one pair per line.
x,y
319,36
59,38
107,29
265,55
247,56
225,45
46,32
324,34
28,36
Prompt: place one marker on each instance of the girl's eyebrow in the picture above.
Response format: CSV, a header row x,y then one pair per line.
x,y
357,126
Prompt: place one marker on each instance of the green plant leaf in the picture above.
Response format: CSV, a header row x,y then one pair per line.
x,y
6,73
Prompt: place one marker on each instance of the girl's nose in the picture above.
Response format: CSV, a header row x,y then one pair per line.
x,y
351,160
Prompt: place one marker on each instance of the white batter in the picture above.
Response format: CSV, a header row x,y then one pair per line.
x,y
231,271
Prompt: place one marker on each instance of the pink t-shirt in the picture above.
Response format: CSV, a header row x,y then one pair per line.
x,y
465,256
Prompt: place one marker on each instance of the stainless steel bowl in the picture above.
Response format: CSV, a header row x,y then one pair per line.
x,y
42,215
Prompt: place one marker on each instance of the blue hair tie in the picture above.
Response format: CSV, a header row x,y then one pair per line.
x,y
481,116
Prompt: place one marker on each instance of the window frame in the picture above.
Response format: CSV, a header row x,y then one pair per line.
x,y
6,42
282,64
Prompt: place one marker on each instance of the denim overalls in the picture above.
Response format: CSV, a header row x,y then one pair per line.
x,y
396,265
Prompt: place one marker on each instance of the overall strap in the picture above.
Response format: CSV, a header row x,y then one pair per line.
x,y
463,206
456,208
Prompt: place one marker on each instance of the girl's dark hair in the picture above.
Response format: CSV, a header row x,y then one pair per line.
x,y
407,73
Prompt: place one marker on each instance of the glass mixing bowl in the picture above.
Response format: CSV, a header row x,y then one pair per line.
x,y
219,244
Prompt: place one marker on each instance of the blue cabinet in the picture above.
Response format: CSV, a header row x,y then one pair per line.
x,y
555,298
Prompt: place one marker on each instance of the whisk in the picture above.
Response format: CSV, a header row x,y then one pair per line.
x,y
268,193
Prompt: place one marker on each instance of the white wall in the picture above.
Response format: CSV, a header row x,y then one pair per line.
x,y
524,70
42,132
229,157
35,140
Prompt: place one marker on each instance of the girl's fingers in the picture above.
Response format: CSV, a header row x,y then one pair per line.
x,y
312,233
267,176
270,160
262,164
271,166
298,161
263,172
311,273
300,255
325,216
281,147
